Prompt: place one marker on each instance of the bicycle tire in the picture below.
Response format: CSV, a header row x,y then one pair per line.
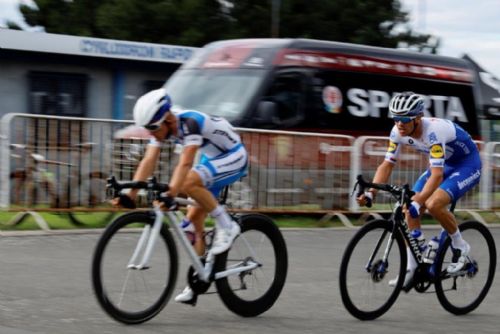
x,y
242,301
446,296
351,285
80,218
107,295
94,188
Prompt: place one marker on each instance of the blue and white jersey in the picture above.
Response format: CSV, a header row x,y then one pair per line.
x,y
214,135
445,142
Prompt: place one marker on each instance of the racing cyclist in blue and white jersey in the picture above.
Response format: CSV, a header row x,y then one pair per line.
x,y
454,168
223,161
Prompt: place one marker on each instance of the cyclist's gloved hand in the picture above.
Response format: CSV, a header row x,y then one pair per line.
x,y
169,203
369,198
414,209
365,198
126,201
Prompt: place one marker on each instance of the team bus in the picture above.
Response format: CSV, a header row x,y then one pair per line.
x,y
320,87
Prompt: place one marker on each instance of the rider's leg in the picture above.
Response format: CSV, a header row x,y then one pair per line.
x,y
437,205
197,216
413,224
227,229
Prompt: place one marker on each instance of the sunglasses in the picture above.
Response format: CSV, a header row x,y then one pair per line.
x,y
403,119
153,127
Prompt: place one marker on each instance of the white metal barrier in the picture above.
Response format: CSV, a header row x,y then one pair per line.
x,y
490,180
297,170
288,170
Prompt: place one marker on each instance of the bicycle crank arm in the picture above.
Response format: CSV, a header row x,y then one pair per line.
x,y
229,272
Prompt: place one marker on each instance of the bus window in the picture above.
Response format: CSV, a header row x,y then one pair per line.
x,y
288,94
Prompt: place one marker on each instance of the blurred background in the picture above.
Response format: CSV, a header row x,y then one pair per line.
x,y
74,69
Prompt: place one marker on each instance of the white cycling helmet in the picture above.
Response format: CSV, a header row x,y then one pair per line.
x,y
407,104
152,107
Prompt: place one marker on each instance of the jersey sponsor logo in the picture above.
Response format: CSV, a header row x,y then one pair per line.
x,y
225,134
463,146
469,180
392,147
432,137
437,151
185,129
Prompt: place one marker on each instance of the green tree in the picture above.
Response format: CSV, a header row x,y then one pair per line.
x,y
197,22
63,16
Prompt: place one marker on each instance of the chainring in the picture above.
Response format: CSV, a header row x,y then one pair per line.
x,y
421,279
198,285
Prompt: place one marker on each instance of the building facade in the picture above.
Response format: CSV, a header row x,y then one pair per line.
x,y
63,75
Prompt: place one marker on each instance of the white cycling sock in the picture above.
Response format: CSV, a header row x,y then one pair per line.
x,y
411,263
456,240
221,217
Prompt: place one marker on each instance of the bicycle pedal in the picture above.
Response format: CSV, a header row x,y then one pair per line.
x,y
192,301
407,289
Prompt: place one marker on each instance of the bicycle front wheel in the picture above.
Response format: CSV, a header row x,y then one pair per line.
x,y
253,292
128,294
462,292
365,272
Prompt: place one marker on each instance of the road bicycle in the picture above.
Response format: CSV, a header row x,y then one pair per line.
x,y
377,253
135,262
41,182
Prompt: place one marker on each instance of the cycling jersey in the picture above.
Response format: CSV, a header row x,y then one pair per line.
x,y
224,158
444,141
449,147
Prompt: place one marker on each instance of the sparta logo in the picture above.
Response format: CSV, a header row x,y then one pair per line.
x,y
392,147
437,151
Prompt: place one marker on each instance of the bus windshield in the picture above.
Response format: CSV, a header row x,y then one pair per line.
x,y
224,93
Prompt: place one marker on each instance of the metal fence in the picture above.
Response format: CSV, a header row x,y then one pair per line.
x,y
60,162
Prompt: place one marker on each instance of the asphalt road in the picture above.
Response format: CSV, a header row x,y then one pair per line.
x,y
45,288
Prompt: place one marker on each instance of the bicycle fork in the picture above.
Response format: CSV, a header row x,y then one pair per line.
x,y
146,243
388,247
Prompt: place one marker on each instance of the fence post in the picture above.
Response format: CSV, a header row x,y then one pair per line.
x,y
485,199
355,170
5,160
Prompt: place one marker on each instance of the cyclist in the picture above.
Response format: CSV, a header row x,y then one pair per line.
x,y
454,168
223,161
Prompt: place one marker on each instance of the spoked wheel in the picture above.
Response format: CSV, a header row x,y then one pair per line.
x,y
462,292
253,292
133,295
365,274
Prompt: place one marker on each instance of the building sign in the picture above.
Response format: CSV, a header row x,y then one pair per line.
x,y
174,54
95,47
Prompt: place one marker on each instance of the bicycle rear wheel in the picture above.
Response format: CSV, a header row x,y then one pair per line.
x,y
462,292
132,295
253,292
364,275
90,194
